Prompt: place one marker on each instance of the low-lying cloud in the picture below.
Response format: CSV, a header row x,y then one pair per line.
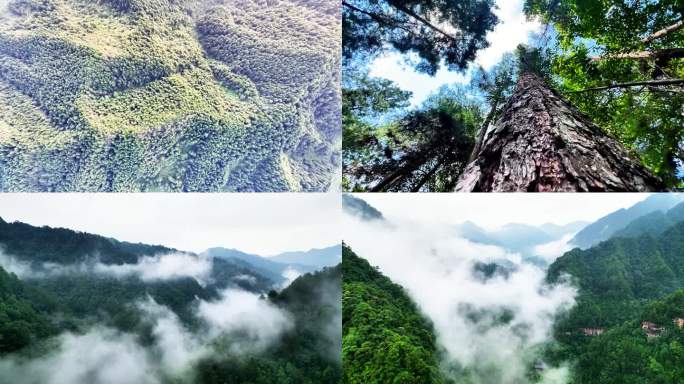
x,y
103,355
552,250
436,268
147,268
253,322
100,356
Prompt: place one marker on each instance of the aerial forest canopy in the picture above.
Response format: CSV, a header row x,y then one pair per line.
x,y
602,93
169,95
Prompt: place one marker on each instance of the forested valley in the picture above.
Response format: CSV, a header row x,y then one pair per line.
x,y
80,308
592,101
169,95
623,322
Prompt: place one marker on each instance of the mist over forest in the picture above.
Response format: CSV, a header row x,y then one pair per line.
x,y
81,308
485,309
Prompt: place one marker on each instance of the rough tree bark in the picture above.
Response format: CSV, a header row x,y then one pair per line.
x,y
542,143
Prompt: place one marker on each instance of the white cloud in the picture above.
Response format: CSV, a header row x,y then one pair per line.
x,y
253,323
552,250
513,29
161,267
436,268
290,274
148,268
101,356
175,346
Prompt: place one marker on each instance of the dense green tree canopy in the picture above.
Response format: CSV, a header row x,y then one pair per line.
x,y
601,43
385,339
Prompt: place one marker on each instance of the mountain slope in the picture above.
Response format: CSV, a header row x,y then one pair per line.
x,y
653,223
24,313
319,258
272,269
168,95
307,354
626,354
98,277
65,246
360,208
608,225
385,339
618,276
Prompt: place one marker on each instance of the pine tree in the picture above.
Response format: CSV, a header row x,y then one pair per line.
x,y
542,143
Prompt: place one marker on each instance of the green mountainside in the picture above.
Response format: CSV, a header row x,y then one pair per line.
x,y
308,354
653,223
61,295
607,226
385,339
618,276
169,95
623,282
626,354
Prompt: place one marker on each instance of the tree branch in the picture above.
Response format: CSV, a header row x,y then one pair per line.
x,y
424,21
633,84
658,34
381,19
670,53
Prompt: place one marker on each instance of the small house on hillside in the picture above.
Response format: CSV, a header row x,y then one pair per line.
x,y
679,322
591,331
652,329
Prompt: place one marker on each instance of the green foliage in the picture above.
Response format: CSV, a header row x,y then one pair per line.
x,y
167,95
423,150
309,354
618,276
385,339
648,119
625,354
24,314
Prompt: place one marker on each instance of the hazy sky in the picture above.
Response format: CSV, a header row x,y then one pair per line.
x,y
495,209
513,29
261,223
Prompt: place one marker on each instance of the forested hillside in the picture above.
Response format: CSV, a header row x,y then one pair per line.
x,y
187,318
385,339
630,354
623,283
619,275
169,95
308,354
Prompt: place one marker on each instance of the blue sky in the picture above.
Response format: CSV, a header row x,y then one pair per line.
x,y
513,29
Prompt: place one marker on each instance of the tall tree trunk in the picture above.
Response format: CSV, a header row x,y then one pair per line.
x,y
542,143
